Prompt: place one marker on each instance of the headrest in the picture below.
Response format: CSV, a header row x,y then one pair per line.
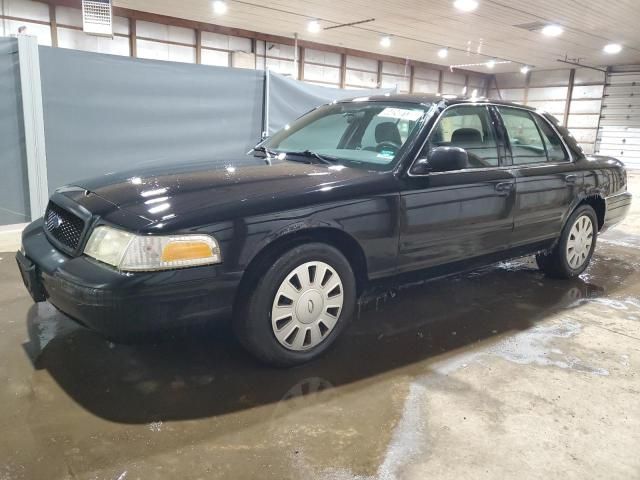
x,y
388,132
466,136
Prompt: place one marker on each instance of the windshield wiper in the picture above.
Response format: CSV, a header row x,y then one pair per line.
x,y
314,155
263,149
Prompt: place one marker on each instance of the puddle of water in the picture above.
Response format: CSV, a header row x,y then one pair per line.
x,y
531,347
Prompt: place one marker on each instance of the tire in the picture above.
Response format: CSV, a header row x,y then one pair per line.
x,y
565,261
266,321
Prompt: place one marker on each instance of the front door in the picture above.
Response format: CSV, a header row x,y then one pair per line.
x,y
450,216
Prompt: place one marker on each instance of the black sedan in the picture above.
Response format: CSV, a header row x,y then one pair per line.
x,y
352,192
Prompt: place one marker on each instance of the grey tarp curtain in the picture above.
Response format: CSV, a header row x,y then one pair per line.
x,y
14,192
288,99
105,113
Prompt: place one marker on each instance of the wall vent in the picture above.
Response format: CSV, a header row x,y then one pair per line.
x,y
97,17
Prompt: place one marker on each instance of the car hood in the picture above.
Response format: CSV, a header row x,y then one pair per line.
x,y
198,194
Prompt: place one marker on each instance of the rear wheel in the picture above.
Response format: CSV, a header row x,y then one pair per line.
x,y
298,307
573,252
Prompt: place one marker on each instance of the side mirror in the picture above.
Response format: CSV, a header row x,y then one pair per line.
x,y
442,159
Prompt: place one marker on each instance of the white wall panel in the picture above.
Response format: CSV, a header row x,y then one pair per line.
x,y
426,73
454,78
279,50
214,57
325,58
361,63
453,89
512,94
402,84
586,75
69,16
546,78
285,67
321,73
585,106
153,50
548,93
166,33
78,40
225,42
26,9
425,86
239,44
585,136
583,121
396,68
165,51
586,92
509,80
357,78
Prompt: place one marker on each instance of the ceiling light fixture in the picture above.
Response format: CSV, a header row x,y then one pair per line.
x,y
385,41
525,69
552,30
491,63
466,5
443,53
314,26
612,48
220,7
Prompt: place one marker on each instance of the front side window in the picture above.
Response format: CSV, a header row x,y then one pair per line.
x,y
366,134
526,143
470,128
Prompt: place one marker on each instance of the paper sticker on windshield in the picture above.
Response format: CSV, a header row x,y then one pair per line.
x,y
401,114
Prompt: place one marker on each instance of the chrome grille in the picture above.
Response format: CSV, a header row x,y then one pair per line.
x,y
64,226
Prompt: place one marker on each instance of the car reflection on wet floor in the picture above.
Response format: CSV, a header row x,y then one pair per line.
x,y
202,372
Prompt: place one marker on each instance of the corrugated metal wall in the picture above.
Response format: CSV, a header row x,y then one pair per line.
x,y
619,133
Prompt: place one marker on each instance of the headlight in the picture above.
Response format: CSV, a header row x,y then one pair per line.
x,y
130,252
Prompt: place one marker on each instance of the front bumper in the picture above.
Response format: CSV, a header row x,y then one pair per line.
x,y
118,304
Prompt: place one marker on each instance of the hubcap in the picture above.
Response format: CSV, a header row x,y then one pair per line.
x,y
580,241
307,306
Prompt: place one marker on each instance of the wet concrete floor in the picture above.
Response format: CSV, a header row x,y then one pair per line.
x,y
501,373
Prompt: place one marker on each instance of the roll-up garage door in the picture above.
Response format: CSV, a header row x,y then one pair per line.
x,y
619,133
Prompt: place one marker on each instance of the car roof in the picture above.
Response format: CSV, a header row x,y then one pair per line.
x,y
419,98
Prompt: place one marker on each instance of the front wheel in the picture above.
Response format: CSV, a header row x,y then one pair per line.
x,y
298,307
573,252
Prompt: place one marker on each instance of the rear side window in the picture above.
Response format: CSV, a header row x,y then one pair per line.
x,y
552,142
527,145
468,127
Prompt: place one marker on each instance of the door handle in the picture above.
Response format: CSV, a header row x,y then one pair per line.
x,y
570,178
504,187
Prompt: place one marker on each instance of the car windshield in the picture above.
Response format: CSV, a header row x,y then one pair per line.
x,y
360,134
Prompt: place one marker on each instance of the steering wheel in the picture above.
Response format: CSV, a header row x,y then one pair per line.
x,y
387,145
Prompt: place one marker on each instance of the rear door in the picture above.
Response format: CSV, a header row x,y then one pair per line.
x,y
457,215
546,178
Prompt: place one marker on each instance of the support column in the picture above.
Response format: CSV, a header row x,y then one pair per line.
x,y
567,105
31,88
